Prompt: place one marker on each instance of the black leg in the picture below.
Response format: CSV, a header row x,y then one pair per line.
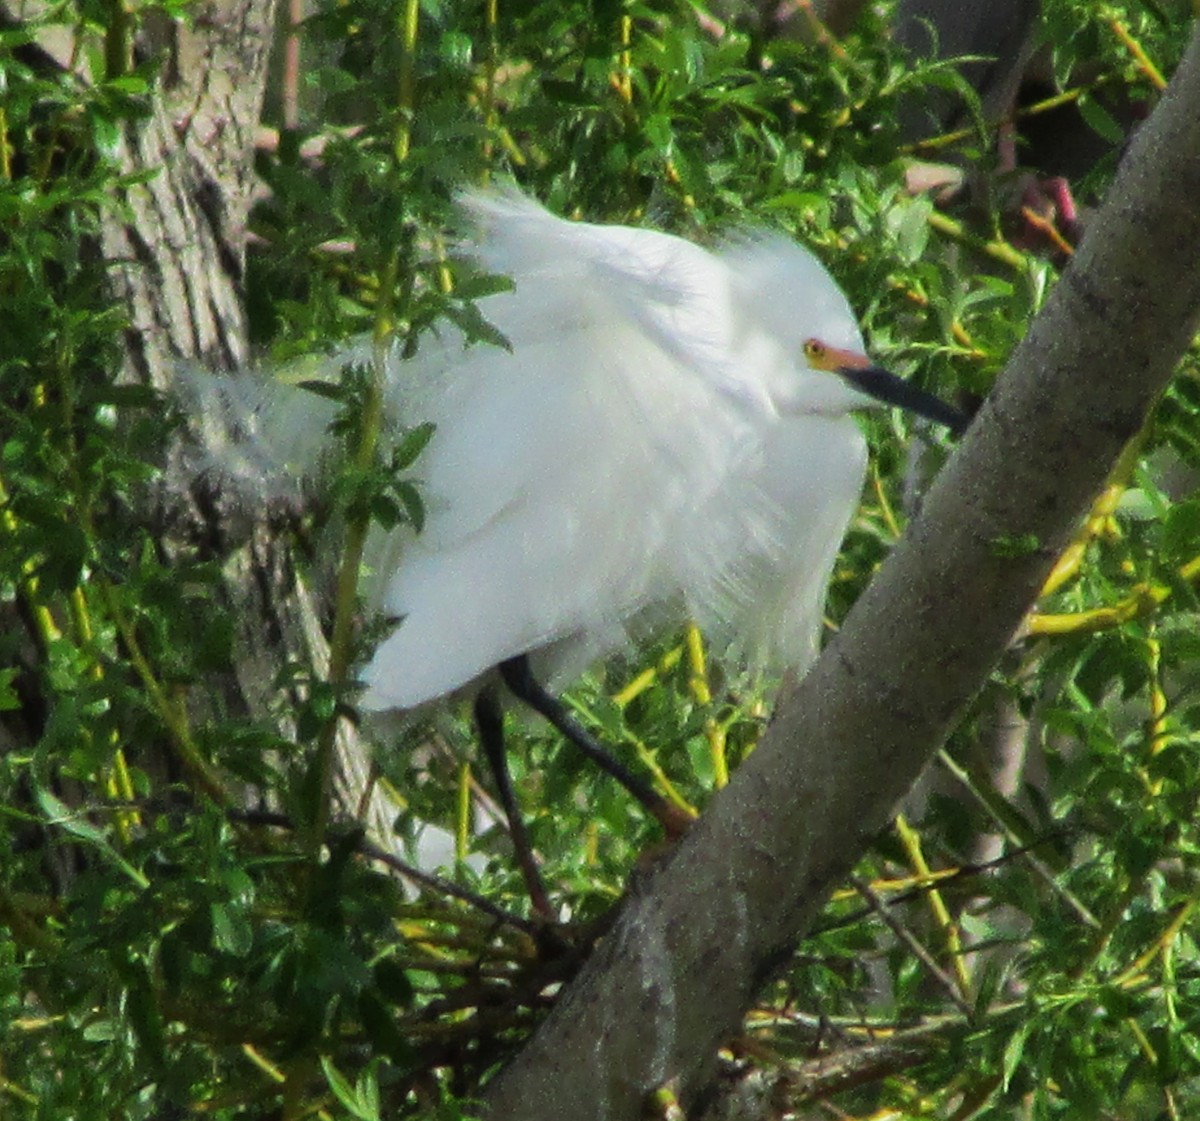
x,y
489,718
518,676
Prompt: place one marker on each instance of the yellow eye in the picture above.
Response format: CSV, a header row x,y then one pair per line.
x,y
816,352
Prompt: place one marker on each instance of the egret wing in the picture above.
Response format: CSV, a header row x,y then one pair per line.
x,y
565,478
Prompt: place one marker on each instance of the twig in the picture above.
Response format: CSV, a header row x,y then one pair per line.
x,y
912,942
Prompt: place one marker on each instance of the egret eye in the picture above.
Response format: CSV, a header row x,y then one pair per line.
x,y
816,353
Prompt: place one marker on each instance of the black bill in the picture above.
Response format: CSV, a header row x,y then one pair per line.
x,y
885,386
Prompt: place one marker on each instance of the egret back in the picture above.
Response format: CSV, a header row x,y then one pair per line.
x,y
567,481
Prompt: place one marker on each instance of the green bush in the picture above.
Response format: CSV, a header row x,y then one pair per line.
x,y
190,930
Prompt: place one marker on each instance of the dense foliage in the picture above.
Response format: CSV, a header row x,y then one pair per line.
x,y
1021,944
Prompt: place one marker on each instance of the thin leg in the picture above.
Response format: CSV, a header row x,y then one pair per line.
x,y
490,720
518,676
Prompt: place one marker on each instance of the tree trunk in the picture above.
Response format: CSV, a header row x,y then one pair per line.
x,y
179,253
176,247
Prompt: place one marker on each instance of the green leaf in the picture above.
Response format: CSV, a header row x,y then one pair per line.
x,y
1181,531
58,813
455,49
9,701
232,931
412,443
475,326
1100,120
362,1106
1014,1052
414,507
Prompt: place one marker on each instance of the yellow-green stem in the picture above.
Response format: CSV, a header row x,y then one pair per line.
x,y
1159,736
623,79
698,683
995,248
6,149
462,825
117,39
647,677
1135,49
1070,562
1161,944
911,840
408,82
1046,105
490,116
43,618
341,643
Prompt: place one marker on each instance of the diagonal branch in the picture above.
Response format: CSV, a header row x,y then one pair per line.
x,y
692,948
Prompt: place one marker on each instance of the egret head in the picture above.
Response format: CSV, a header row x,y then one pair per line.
x,y
876,386
819,365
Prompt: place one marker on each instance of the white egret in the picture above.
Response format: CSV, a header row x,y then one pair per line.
x,y
669,437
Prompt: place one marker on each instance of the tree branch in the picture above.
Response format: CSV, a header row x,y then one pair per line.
x,y
691,950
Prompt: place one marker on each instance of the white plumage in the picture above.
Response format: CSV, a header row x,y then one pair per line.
x,y
654,446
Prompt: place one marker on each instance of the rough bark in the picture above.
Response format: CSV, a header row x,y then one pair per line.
x,y
695,944
176,250
178,255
